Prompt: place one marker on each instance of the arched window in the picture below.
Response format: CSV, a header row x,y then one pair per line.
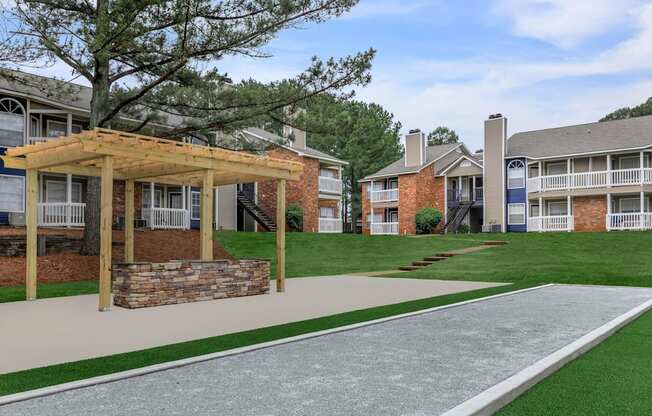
x,y
12,123
516,174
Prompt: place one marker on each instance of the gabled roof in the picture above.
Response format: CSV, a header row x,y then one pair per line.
x,y
433,153
67,95
308,151
628,134
456,163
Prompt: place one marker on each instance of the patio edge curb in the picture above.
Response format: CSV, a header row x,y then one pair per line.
x,y
500,395
109,378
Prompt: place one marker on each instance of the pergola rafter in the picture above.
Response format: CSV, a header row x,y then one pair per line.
x,y
114,155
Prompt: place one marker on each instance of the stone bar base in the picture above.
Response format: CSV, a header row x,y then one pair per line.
x,y
140,285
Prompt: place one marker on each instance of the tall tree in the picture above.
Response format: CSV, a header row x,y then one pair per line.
x,y
442,135
365,135
143,59
644,109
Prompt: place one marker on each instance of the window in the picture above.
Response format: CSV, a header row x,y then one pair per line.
x,y
175,200
557,208
326,212
12,123
515,214
35,127
534,210
55,191
12,193
515,174
629,162
557,168
465,164
60,128
327,173
629,205
195,204
158,196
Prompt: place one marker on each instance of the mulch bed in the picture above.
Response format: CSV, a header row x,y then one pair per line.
x,y
154,246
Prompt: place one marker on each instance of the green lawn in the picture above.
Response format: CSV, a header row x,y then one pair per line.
x,y
587,258
310,254
612,379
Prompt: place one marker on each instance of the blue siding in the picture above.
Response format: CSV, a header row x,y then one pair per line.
x,y
515,196
4,216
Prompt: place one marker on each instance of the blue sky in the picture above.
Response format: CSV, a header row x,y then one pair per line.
x,y
542,63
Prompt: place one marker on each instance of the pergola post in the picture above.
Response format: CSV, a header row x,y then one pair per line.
x,y
206,218
106,216
280,235
32,231
129,221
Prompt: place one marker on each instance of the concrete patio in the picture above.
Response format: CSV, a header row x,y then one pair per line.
x,y
58,330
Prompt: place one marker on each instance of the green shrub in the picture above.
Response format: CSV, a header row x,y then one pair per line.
x,y
294,217
464,229
427,220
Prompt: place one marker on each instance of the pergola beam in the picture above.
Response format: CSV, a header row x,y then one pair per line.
x,y
59,156
76,169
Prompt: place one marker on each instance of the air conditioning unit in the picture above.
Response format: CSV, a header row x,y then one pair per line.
x,y
492,228
17,219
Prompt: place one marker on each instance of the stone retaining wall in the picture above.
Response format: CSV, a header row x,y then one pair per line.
x,y
139,285
14,245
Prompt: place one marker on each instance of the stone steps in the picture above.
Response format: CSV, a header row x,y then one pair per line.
x,y
435,258
410,268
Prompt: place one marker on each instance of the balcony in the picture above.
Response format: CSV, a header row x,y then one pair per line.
x,y
455,197
629,221
589,180
555,223
61,214
384,228
384,195
167,218
330,225
330,185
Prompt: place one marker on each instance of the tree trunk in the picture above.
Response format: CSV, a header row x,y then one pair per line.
x,y
99,105
354,202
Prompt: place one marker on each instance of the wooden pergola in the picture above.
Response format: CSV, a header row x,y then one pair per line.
x,y
114,155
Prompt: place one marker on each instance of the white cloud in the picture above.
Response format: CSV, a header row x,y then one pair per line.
x,y
462,93
565,23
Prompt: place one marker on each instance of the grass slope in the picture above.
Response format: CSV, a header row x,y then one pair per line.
x,y
62,373
621,258
310,254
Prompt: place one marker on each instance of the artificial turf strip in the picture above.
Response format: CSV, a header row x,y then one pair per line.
x,y
614,378
63,373
50,290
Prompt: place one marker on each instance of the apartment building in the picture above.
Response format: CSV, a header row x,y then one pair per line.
x,y
446,177
34,111
588,177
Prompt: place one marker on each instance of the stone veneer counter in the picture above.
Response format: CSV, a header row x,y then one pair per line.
x,y
139,285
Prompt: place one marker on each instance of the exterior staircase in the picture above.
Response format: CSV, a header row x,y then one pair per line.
x,y
427,261
256,212
456,216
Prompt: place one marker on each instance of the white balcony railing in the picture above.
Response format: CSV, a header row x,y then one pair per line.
x,y
61,214
587,180
167,218
551,223
384,195
630,221
330,225
330,185
384,228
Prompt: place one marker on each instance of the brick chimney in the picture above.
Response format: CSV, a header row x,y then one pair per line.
x,y
415,148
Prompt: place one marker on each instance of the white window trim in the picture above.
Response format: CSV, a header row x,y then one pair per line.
x,y
64,123
646,203
22,178
510,168
72,184
25,132
191,205
508,214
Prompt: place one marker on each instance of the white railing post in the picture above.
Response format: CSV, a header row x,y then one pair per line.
x,y
151,205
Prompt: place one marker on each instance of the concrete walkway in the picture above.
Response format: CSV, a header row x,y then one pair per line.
x,y
58,330
419,365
